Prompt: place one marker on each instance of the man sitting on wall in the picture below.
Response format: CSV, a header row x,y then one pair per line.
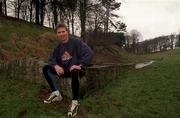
x,y
69,59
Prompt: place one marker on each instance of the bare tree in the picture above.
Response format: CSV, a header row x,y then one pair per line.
x,y
24,10
135,36
1,8
110,6
95,17
72,6
54,8
42,11
178,39
82,11
37,3
5,8
17,4
31,2
48,14
172,40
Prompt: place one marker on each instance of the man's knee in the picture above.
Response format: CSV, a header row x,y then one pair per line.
x,y
45,69
75,72
79,73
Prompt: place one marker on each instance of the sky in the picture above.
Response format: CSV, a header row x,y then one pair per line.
x,y
151,18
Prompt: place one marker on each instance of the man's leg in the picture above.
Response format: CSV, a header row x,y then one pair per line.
x,y
75,75
75,84
49,74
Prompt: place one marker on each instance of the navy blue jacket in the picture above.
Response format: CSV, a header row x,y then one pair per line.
x,y
74,52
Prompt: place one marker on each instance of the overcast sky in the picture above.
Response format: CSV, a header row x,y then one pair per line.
x,y
151,17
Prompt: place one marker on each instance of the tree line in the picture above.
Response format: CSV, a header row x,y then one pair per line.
x,y
92,19
161,43
81,16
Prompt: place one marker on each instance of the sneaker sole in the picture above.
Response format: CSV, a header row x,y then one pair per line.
x,y
47,102
53,100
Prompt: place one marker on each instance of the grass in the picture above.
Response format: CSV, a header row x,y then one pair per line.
x,y
19,39
19,98
152,92
10,26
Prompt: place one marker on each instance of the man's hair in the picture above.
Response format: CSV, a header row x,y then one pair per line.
x,y
59,25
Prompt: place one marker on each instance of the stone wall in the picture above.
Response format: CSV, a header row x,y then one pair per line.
x,y
23,68
97,76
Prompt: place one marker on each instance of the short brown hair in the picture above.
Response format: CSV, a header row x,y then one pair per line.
x,y
61,25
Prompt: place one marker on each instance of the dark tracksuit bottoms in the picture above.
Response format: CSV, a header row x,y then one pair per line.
x,y
49,73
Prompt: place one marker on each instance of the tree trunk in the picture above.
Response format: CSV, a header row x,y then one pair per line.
x,y
72,22
30,10
106,25
179,39
83,4
96,23
37,12
1,11
42,11
18,9
5,8
48,17
68,25
55,13
68,20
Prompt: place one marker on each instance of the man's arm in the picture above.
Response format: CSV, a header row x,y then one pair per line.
x,y
53,62
52,58
86,54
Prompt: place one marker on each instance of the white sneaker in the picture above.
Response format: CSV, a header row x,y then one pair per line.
x,y
55,96
73,108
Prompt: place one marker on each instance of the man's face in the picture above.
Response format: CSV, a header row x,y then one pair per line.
x,y
62,34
